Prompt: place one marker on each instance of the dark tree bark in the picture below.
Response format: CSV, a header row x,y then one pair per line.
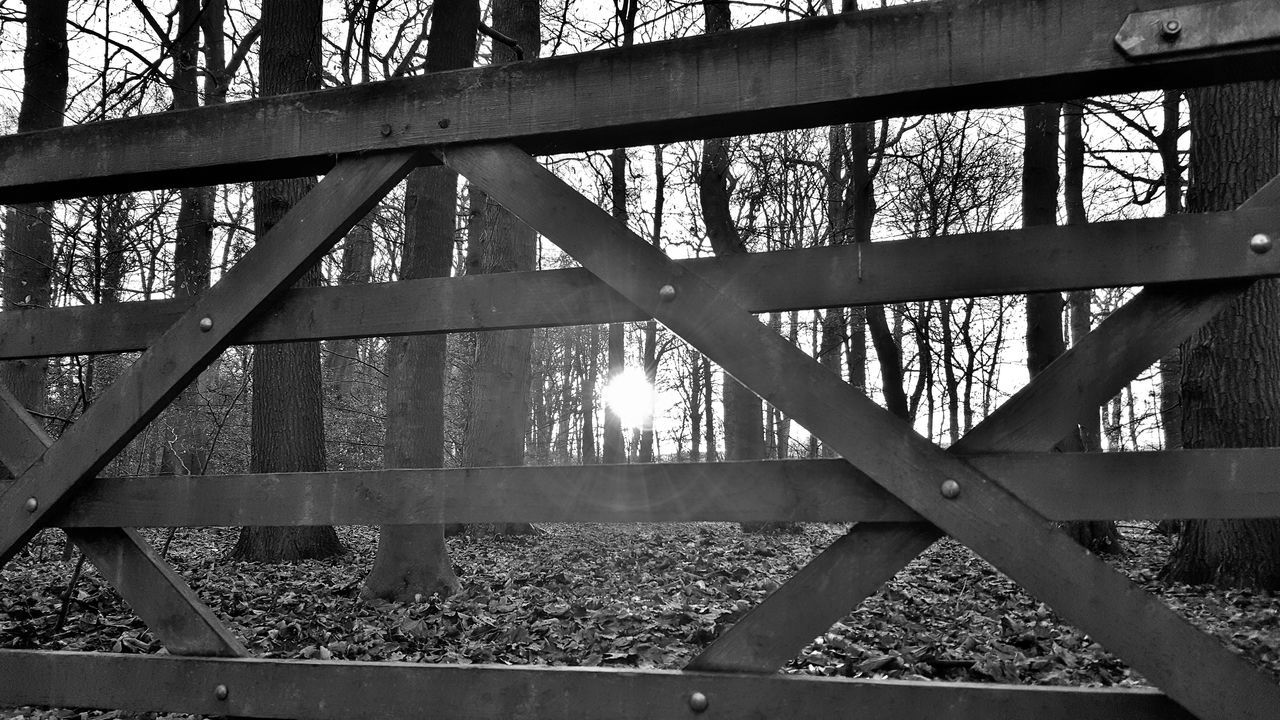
x,y
833,326
1044,310
343,355
650,351
1231,367
28,248
1040,207
499,412
1171,364
613,444
588,399
413,560
695,405
287,432
887,348
743,412
708,411
185,450
1079,302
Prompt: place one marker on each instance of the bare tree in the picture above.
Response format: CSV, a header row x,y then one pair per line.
x,y
1231,367
413,560
28,248
288,421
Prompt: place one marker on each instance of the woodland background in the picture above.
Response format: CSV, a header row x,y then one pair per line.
x,y
539,396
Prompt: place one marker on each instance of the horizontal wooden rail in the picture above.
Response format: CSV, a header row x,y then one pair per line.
x,y
1062,486
322,690
1210,246
910,59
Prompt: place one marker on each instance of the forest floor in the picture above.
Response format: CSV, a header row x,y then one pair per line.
x,y
641,595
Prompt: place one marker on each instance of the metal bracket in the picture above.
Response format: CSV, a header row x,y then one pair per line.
x,y
1206,26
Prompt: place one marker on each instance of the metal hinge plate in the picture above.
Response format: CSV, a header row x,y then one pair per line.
x,y
1206,26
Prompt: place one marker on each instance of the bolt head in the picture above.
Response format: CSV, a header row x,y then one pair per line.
x,y
444,123
950,489
1170,29
386,129
667,293
1260,243
206,324
698,702
220,692
31,505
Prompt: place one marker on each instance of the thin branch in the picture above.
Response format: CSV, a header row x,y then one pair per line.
x,y
504,39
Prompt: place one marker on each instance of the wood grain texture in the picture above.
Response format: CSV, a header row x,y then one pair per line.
x,y
906,60
297,241
331,690
738,491
1094,486
156,593
164,601
1037,416
1125,253
985,516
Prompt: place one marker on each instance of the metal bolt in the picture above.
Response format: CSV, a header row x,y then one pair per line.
x,y
1260,243
1170,29
32,505
698,702
206,324
444,123
667,293
386,129
950,489
220,692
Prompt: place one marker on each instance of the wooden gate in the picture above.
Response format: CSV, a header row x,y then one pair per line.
x,y
997,490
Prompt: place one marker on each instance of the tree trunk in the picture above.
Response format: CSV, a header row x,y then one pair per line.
x,y
343,356
833,325
651,328
1231,367
1044,310
614,447
1039,207
28,249
1171,364
588,400
287,432
185,450
1079,302
887,348
695,405
708,411
499,412
743,414
413,560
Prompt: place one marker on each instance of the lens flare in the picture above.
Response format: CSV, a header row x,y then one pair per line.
x,y
630,395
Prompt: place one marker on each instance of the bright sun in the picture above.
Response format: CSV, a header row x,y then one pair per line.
x,y
631,396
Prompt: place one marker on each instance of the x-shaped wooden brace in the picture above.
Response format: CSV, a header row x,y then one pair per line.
x,y
46,472
1191,667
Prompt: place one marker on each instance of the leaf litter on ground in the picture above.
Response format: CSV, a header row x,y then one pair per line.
x,y
633,595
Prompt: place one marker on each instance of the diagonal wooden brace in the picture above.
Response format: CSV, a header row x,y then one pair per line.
x,y
306,232
156,593
984,515
1036,417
